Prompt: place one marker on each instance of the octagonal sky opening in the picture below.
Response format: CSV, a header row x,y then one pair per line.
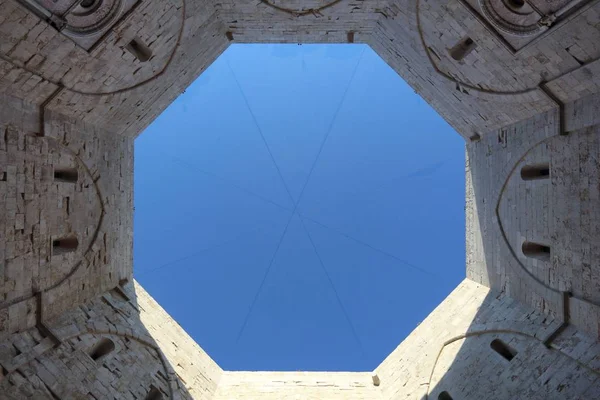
x,y
299,207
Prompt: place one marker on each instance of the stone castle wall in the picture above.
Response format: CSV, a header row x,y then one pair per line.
x,y
451,351
123,344
520,82
40,208
107,348
505,210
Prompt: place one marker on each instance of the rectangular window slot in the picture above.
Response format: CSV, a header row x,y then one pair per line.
x,y
139,50
103,348
64,245
444,396
536,250
69,175
475,138
154,394
535,172
503,349
462,48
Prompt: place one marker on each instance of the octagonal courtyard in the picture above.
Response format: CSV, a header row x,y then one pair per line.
x,y
301,203
308,207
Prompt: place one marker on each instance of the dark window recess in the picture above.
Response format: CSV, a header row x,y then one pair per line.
x,y
537,171
350,37
536,250
69,175
516,4
64,245
229,36
139,50
462,48
475,137
3,176
444,396
102,349
503,349
154,394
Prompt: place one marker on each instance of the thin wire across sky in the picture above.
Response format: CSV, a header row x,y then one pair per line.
x,y
292,212
266,274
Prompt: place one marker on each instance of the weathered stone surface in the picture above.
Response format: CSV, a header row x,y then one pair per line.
x,y
520,82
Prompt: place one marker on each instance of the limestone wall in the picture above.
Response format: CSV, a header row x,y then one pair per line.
x,y
194,368
66,203
296,385
521,81
65,362
104,349
560,210
503,79
494,85
107,85
451,352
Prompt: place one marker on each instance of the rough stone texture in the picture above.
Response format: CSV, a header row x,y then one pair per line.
x,y
294,385
524,92
561,212
37,209
58,362
151,350
450,351
194,368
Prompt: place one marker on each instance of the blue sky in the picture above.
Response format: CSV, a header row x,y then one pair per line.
x,y
299,207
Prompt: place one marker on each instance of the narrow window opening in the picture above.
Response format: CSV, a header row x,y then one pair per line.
x,y
229,36
475,137
139,50
87,3
503,138
462,48
154,394
69,175
376,380
516,4
3,176
102,349
444,396
64,245
503,349
536,250
534,172
350,37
